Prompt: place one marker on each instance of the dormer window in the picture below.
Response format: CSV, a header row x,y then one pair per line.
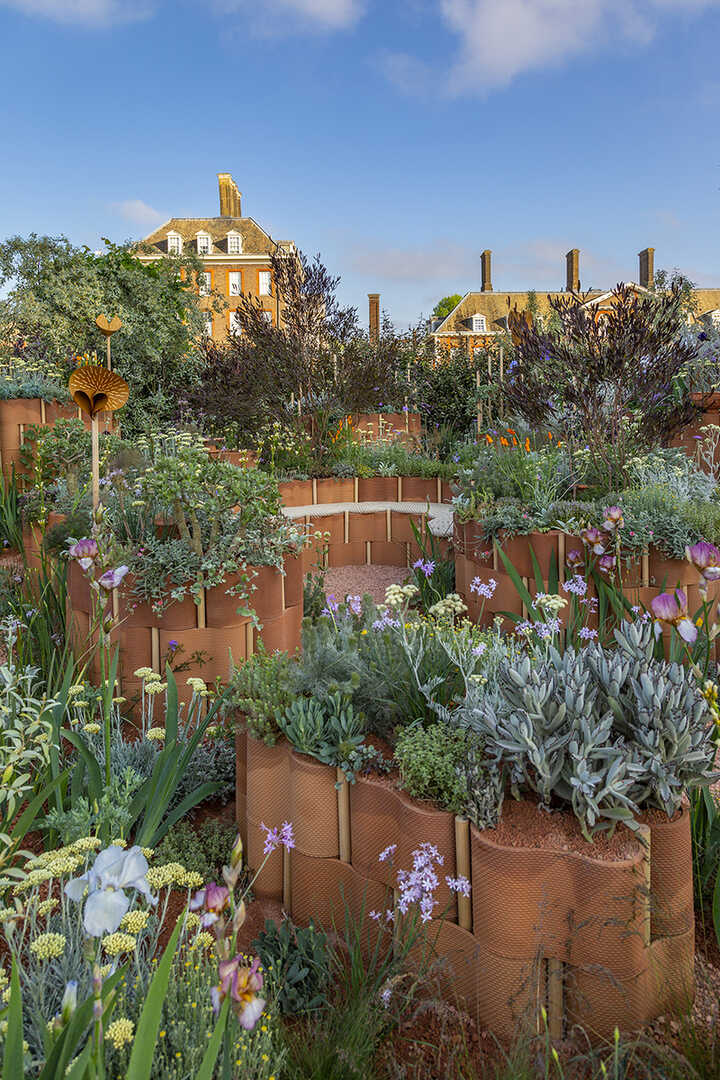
x,y
479,324
204,243
174,243
234,243
715,318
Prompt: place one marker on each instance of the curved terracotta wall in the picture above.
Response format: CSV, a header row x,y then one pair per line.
x,y
474,557
144,639
364,489
17,414
614,938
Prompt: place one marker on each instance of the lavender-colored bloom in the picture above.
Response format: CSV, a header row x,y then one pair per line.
x,y
613,518
388,853
577,585
427,568
214,899
705,558
355,604
484,589
479,649
277,837
606,563
173,645
574,559
385,996
672,608
374,915
84,552
587,634
594,539
385,622
331,606
459,884
112,578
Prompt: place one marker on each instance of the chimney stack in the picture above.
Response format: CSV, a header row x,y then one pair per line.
x,y
572,263
486,260
647,267
229,196
374,314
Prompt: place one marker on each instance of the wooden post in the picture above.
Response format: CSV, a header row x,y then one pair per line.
x,y
561,558
462,869
202,612
555,972
155,649
95,450
645,568
287,890
343,797
643,832
107,344
43,412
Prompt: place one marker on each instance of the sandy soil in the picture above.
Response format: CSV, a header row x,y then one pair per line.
x,y
342,581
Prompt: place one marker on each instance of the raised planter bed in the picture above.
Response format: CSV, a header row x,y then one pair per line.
x,y
145,639
364,489
600,934
17,414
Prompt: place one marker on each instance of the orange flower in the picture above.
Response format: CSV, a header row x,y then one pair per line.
x,y
489,440
515,442
527,446
550,435
511,431
503,441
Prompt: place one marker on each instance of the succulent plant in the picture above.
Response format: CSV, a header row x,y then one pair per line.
x,y
607,732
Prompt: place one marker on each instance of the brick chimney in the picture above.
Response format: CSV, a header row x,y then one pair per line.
x,y
647,267
486,261
229,196
572,264
374,316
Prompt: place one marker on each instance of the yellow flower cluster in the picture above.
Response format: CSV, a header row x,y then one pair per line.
x,y
120,1032
204,940
47,906
8,913
48,946
192,921
197,685
162,877
134,921
191,880
117,943
155,734
91,729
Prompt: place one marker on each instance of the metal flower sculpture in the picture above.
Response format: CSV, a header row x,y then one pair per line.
x,y
95,389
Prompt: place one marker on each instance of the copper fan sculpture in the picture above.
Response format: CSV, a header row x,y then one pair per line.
x,y
95,389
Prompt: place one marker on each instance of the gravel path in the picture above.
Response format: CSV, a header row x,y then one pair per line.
x,y
342,581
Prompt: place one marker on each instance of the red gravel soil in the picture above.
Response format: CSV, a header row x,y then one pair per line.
x,y
342,581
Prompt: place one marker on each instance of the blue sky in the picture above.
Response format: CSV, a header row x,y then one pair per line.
x,y
398,138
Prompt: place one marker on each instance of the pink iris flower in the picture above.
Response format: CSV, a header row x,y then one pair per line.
x,y
672,608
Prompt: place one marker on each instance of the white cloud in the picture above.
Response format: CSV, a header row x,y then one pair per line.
x,y
318,14
502,39
87,12
138,212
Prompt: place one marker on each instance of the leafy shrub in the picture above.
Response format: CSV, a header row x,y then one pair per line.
x,y
430,760
202,850
296,960
328,729
258,689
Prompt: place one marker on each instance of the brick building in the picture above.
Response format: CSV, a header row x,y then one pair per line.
x,y
481,318
235,252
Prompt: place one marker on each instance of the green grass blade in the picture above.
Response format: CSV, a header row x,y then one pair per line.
x,y
13,1055
141,1058
518,583
207,1065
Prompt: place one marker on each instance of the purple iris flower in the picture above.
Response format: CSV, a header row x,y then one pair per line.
x,y
84,552
672,608
112,578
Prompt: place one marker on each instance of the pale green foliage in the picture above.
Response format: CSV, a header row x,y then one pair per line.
x,y
25,738
430,760
259,687
607,732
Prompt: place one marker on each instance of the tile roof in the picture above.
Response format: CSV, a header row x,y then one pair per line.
x,y
255,241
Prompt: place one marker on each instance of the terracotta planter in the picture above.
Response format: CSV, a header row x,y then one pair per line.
x,y
419,489
378,489
368,526
296,492
517,550
671,881
668,573
388,553
446,492
351,554
313,807
282,634
294,579
321,889
401,528
268,801
266,599
556,902
335,490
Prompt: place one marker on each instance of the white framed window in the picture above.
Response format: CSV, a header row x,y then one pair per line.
x,y
479,324
208,323
264,283
235,327
204,243
174,243
234,283
234,243
205,282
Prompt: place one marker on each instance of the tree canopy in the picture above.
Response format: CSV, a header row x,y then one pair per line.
x,y
443,307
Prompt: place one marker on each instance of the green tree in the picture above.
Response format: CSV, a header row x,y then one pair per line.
x,y
57,290
443,307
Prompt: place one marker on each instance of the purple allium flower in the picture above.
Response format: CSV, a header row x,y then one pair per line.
x,y
84,552
355,604
173,645
672,608
459,884
388,853
112,578
587,634
331,606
